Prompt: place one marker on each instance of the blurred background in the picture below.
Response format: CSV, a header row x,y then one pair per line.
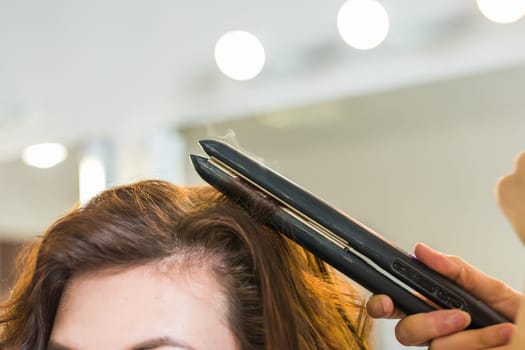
x,y
402,113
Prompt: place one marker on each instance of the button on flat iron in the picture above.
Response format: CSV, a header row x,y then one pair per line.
x,y
450,300
409,273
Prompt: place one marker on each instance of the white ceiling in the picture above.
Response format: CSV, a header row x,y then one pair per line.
x,y
70,70
75,70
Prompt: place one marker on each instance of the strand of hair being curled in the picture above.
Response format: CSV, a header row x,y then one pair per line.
x,y
279,296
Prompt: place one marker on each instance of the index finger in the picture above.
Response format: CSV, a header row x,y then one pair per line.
x,y
494,292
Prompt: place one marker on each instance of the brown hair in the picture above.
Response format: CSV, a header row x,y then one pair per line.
x,y
279,296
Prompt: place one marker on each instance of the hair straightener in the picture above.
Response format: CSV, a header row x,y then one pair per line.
x,y
347,245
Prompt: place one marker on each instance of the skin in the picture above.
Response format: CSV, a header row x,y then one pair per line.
x,y
510,194
143,308
444,329
441,329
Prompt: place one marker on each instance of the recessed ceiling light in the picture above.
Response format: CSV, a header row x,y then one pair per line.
x,y
44,155
239,55
502,11
363,24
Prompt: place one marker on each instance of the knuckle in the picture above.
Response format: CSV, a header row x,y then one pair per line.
x,y
460,271
520,161
505,186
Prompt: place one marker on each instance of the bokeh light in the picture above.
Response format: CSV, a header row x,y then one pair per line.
x,y
239,55
363,24
44,155
502,11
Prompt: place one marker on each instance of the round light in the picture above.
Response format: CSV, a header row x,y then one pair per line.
x,y
363,24
44,155
502,11
239,55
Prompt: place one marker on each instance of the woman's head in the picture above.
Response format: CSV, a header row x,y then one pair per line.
x,y
161,242
143,307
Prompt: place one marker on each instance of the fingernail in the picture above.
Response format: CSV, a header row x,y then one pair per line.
x,y
384,306
421,244
424,247
459,320
506,332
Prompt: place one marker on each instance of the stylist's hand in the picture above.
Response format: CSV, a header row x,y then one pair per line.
x,y
444,329
510,193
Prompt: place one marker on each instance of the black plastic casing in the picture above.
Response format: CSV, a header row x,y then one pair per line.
x,y
281,221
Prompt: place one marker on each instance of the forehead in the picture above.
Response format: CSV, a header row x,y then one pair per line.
x,y
109,309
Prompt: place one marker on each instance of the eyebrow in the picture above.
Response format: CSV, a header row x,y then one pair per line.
x,y
148,344
158,342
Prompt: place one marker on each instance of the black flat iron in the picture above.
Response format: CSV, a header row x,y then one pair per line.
x,y
341,241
